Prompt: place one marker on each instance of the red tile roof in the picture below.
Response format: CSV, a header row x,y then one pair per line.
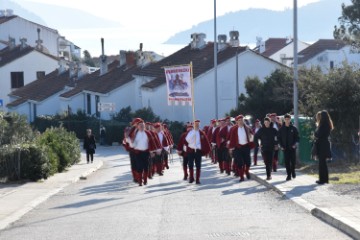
x,y
319,47
273,45
202,60
41,89
114,78
6,18
8,55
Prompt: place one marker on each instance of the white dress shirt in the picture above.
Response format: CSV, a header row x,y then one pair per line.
x,y
242,136
193,139
141,141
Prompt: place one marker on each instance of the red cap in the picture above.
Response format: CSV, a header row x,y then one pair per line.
x,y
136,121
257,120
189,125
148,123
237,118
273,115
213,120
197,121
157,125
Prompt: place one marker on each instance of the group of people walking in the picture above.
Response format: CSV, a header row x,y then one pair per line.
x,y
228,144
149,145
232,144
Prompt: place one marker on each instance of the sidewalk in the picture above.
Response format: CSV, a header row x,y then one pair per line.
x,y
18,199
341,212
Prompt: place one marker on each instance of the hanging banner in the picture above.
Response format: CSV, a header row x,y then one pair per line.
x,y
178,82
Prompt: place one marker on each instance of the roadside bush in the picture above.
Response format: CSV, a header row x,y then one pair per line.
x,y
35,163
62,146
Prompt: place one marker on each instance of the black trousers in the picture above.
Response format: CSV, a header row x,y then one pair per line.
x,y
268,159
89,155
290,161
323,170
142,161
194,157
185,161
221,153
242,156
132,160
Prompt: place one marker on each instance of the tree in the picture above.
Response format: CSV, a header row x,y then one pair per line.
x,y
88,59
349,29
273,95
339,93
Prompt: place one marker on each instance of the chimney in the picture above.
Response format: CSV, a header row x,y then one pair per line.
x,y
130,59
140,56
198,40
23,44
82,70
222,42
122,58
103,63
9,12
62,66
73,69
39,41
260,44
12,43
234,38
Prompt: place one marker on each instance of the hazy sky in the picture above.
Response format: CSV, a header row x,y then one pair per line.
x,y
137,17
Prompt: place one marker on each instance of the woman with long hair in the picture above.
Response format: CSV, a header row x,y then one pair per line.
x,y
322,133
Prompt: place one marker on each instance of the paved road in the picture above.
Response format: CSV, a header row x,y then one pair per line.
x,y
109,206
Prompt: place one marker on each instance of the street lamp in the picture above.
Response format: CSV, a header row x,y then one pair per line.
x,y
296,117
215,64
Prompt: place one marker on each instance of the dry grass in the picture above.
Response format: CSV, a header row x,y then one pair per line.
x,y
339,172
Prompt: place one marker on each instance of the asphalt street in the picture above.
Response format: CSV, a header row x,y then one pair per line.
x,y
108,205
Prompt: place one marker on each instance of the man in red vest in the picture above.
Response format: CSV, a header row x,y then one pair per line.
x,y
198,146
240,144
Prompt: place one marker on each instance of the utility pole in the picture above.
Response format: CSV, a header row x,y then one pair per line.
x,y
215,64
296,77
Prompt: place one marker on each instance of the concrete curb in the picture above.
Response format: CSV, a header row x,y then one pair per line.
x,y
340,223
4,223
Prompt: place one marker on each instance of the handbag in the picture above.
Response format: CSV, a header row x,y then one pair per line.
x,y
314,153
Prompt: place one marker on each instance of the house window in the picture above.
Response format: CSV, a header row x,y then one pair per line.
x,y
88,101
97,100
17,79
331,64
40,74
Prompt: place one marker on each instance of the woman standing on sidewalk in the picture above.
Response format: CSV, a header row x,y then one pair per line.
x,y
322,133
89,145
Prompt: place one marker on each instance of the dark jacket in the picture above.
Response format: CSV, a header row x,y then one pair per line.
x,y
322,134
268,138
288,136
89,143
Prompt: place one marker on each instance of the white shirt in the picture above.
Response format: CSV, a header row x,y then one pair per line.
x,y
141,141
256,129
242,136
193,139
275,125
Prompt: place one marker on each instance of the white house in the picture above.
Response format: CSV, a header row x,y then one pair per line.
x,y
279,49
52,42
328,54
20,65
113,84
235,64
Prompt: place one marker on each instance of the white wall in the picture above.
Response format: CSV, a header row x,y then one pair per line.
x,y
249,64
29,64
338,57
289,52
19,28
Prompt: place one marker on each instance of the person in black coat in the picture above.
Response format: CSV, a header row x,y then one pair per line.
x,y
268,138
288,137
322,133
89,145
